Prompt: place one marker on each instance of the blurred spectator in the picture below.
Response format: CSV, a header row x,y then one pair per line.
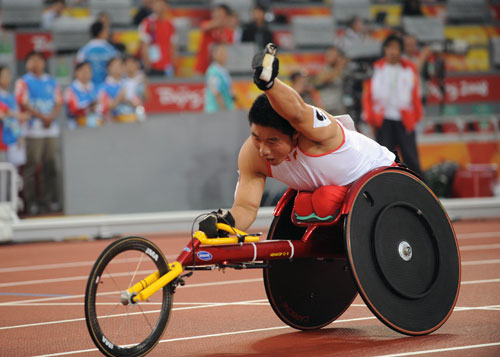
x,y
219,93
234,23
105,18
257,31
112,103
392,104
300,82
145,9
419,57
40,96
412,8
80,99
54,10
330,81
11,119
135,86
216,30
158,44
98,51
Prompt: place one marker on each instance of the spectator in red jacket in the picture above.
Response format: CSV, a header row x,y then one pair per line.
x,y
158,45
216,30
392,103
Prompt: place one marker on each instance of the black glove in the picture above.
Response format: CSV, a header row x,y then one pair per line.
x,y
208,225
257,60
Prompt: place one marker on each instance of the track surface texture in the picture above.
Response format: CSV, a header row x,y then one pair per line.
x,y
227,314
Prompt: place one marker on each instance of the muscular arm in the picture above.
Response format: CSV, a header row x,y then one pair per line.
x,y
250,187
289,104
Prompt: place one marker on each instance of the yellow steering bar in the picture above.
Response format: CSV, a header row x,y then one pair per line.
x,y
152,283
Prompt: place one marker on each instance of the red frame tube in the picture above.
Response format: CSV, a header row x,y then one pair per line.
x,y
250,252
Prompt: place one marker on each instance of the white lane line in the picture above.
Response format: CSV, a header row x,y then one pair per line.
x,y
260,302
447,349
481,262
148,303
486,281
217,283
199,285
173,256
66,265
69,278
478,235
479,247
209,305
210,336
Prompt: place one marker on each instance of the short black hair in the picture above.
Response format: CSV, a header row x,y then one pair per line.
x,y
113,59
35,54
226,8
81,64
393,38
96,29
262,113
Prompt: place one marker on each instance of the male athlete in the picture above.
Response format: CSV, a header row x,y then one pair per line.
x,y
315,153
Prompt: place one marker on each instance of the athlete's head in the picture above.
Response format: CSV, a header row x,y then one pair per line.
x,y
272,135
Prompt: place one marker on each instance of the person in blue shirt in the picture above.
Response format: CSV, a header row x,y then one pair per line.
x,y
10,119
219,93
39,94
112,102
80,99
98,51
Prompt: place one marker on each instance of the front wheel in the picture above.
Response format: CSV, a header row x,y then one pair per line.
x,y
121,328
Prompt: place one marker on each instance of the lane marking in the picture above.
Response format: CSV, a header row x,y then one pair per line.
x,y
479,247
486,281
258,302
172,256
85,277
478,235
33,294
222,304
69,278
67,265
221,334
481,262
218,283
447,349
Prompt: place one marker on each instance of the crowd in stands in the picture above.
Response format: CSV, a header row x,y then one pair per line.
x,y
109,85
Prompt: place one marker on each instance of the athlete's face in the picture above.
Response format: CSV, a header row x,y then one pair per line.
x,y
272,145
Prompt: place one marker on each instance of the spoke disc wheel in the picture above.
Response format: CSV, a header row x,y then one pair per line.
x,y
118,326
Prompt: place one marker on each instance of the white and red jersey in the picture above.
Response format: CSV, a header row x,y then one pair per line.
x,y
356,156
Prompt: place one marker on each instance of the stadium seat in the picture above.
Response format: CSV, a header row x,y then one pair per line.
x,y
69,33
118,10
21,13
425,29
345,10
468,11
312,31
242,7
364,49
239,58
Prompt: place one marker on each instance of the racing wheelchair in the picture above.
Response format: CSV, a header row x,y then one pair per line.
x,y
392,242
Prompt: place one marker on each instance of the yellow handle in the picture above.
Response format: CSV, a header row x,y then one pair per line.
x,y
202,237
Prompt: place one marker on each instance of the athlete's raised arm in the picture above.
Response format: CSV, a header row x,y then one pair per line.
x,y
316,125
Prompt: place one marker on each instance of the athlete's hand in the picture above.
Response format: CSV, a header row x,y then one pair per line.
x,y
208,225
265,73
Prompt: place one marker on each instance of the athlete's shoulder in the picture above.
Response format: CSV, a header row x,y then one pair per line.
x,y
249,160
